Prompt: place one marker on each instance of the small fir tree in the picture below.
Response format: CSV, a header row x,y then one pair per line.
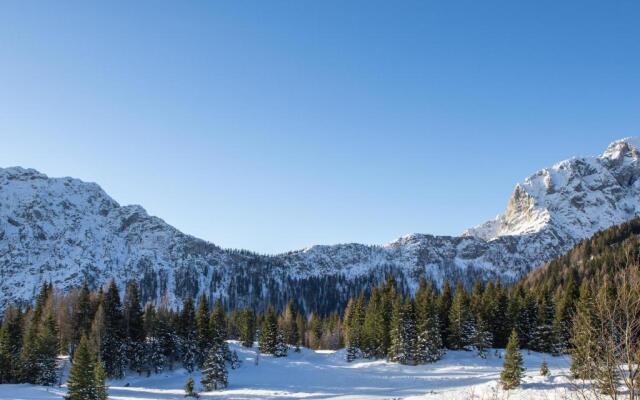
x,y
512,371
544,368
189,388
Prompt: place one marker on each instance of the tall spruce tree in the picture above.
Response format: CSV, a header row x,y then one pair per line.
x,y
188,336
288,324
214,370
133,327
353,324
113,352
10,345
461,325
374,326
483,338
269,332
404,336
583,337
512,371
444,306
47,351
203,332
542,339
81,316
81,384
565,308
429,340
247,327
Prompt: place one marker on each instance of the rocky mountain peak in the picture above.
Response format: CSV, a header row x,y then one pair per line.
x,y
68,231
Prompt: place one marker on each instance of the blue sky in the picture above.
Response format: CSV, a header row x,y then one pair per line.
x,y
276,125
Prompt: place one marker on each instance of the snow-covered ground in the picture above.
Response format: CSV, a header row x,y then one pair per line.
x,y
325,374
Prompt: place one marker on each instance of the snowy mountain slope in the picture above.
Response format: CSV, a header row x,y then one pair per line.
x,y
65,230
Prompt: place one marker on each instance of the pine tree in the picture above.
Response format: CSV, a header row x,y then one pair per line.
x,y
403,348
288,324
214,370
188,388
429,346
99,378
203,331
10,345
81,315
444,307
188,336
269,332
247,328
235,361
583,337
542,338
353,324
544,368
218,325
47,352
113,351
281,346
565,309
461,326
81,383
133,327
483,338
374,326
512,371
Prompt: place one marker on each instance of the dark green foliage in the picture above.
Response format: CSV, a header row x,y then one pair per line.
x,y
461,325
113,347
188,336
288,324
444,307
429,346
214,370
86,378
203,332
10,345
404,335
583,337
511,374
47,351
247,327
269,335
82,315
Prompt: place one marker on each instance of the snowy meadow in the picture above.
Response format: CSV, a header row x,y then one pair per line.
x,y
325,374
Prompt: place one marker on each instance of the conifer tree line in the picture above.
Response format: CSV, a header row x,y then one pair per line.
x,y
580,304
108,335
418,329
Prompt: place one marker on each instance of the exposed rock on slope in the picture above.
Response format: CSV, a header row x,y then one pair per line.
x,y
66,231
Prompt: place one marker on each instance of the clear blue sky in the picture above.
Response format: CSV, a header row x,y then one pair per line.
x,y
273,125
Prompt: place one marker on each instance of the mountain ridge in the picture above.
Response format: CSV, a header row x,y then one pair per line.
x,y
67,231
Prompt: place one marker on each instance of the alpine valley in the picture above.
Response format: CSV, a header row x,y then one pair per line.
x,y
67,231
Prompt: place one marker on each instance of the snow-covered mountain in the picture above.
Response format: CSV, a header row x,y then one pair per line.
x,y
66,230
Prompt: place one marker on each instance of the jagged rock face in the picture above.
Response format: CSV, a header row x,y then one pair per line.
x,y
575,198
67,231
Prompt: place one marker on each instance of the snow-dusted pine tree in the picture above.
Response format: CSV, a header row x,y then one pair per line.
x,y
483,338
214,370
461,326
281,346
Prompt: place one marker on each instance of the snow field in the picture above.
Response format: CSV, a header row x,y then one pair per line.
x,y
326,375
